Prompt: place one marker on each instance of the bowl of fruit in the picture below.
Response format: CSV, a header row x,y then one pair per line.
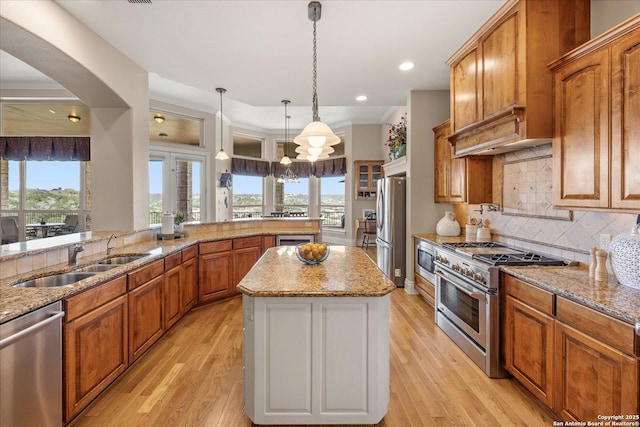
x,y
312,253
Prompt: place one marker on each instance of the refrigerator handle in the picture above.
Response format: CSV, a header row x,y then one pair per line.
x,y
380,206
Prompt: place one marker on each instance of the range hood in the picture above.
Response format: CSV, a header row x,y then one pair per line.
x,y
500,133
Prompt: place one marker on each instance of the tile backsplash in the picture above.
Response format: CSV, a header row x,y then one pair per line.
x,y
570,240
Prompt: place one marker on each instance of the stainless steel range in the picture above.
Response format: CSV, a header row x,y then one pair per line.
x,y
467,296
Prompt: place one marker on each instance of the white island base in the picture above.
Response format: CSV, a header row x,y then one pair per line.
x,y
316,360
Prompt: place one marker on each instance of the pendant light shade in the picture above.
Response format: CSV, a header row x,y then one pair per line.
x,y
315,134
221,154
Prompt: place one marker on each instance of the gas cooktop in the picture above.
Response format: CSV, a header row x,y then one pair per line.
x,y
493,253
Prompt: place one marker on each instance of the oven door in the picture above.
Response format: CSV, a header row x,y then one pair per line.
x,y
463,304
425,262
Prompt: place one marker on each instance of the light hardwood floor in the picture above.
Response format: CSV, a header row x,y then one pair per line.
x,y
193,377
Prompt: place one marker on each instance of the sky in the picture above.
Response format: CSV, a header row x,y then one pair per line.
x,y
46,175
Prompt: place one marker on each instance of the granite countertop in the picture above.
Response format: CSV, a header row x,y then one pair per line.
x,y
348,271
15,302
612,298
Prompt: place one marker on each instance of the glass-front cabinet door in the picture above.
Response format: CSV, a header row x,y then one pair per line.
x,y
369,171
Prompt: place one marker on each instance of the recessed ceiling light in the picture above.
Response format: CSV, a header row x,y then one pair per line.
x,y
52,112
163,135
406,66
73,118
159,118
361,98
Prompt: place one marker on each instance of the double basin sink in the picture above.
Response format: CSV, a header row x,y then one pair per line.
x,y
65,279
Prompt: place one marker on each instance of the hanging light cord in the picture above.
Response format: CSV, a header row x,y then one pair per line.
x,y
286,130
316,118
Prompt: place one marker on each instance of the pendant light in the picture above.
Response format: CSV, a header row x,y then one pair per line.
x,y
221,154
316,134
288,176
285,159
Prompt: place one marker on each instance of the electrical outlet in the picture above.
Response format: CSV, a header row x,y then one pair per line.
x,y
605,239
398,272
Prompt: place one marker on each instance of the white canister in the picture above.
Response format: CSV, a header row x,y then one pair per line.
x,y
167,223
483,234
470,232
624,253
448,226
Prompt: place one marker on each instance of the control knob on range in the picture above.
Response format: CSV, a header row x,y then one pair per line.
x,y
470,273
455,267
463,271
444,260
478,278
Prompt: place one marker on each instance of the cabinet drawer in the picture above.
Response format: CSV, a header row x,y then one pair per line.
x,y
93,298
190,252
146,273
614,332
535,297
247,242
219,246
172,260
426,289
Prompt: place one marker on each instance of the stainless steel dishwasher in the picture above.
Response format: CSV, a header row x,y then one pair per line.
x,y
31,369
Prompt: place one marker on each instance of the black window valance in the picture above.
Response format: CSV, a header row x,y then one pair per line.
x,y
330,167
250,167
59,148
301,169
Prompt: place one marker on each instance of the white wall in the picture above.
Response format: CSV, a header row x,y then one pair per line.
x,y
113,86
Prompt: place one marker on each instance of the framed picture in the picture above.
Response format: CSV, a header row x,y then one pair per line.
x,y
367,212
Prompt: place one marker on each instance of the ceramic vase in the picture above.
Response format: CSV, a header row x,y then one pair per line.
x,y
624,253
448,226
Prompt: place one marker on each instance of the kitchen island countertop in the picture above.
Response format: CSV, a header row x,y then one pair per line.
x,y
348,271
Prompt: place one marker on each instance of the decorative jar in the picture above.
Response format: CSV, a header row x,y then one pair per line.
x,y
624,254
448,226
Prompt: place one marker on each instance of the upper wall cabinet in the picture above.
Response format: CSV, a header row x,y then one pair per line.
x,y
463,180
501,87
596,145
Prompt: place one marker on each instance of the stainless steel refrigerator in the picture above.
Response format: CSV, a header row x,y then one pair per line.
x,y
391,228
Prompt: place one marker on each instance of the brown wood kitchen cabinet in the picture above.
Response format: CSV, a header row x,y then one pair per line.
x,y
461,180
215,265
172,287
501,88
595,368
146,307
578,361
596,151
367,173
246,252
528,337
189,279
95,342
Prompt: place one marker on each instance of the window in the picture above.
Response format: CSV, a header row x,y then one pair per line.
x,y
247,196
247,146
50,192
176,184
295,197
332,207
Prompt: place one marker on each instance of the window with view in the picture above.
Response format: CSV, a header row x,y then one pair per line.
x,y
295,197
247,196
332,207
44,198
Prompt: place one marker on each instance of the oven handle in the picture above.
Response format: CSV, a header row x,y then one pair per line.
x,y
473,294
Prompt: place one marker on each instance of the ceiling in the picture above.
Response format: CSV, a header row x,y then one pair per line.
x,y
261,52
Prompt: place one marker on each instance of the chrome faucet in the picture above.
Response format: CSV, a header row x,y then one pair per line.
x,y
491,207
113,236
73,253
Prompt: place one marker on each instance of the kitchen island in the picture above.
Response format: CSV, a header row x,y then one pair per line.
x,y
316,339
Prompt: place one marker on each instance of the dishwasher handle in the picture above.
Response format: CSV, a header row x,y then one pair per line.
x,y
31,329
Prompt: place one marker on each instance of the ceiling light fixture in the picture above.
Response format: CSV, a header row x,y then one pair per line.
x,y
163,135
361,98
406,66
285,159
316,133
73,118
159,118
221,154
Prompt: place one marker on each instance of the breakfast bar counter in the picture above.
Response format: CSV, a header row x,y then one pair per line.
x,y
316,339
